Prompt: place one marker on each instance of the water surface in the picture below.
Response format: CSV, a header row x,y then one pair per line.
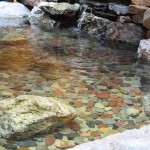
x,y
69,65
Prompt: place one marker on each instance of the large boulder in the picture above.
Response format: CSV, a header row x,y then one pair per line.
x,y
144,50
136,139
60,11
104,29
13,10
146,19
27,115
40,18
141,2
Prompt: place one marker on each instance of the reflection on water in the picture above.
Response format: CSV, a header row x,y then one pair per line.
x,y
71,66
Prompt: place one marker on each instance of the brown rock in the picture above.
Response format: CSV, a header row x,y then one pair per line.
x,y
31,2
75,127
23,148
106,115
49,140
146,19
137,10
112,103
78,103
90,104
141,2
95,133
85,134
148,34
115,110
103,95
137,19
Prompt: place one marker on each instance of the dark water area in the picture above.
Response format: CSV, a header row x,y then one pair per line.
x,y
100,81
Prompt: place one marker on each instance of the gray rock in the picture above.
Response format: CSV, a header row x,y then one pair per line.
x,y
27,115
118,9
10,146
40,18
108,121
64,10
41,147
144,50
136,139
13,10
26,143
146,104
124,19
104,29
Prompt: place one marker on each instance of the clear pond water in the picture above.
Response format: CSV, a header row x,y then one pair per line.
x,y
100,82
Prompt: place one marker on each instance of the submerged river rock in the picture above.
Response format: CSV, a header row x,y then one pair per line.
x,y
28,115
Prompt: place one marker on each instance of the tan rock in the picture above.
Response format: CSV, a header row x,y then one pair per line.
x,y
137,19
63,144
32,2
146,19
137,10
27,115
141,2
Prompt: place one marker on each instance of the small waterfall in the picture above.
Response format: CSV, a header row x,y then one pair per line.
x,y
84,8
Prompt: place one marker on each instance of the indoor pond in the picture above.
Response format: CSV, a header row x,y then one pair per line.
x,y
101,81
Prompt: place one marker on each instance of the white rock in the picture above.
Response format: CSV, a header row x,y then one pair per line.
x,y
27,115
144,49
13,10
136,139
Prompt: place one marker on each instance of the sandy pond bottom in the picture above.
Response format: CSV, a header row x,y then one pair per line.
x,y
104,84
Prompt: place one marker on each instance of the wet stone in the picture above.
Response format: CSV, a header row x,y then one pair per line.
x,y
100,110
38,139
58,136
63,144
94,116
71,136
108,121
79,140
65,131
23,148
90,124
97,122
41,147
49,140
26,143
10,146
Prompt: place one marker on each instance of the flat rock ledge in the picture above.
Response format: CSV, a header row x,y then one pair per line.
x,y
136,139
28,115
